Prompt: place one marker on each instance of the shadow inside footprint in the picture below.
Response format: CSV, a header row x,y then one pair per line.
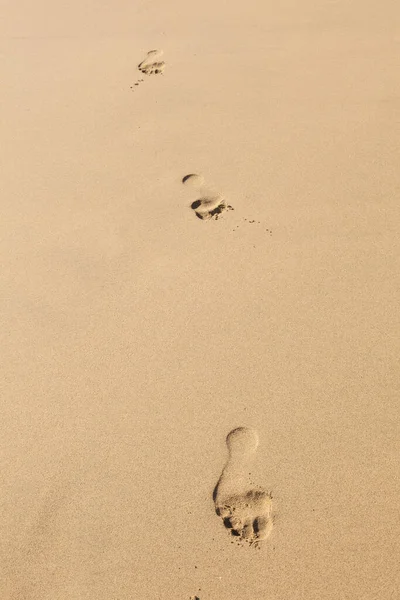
x,y
246,513
195,204
209,208
218,209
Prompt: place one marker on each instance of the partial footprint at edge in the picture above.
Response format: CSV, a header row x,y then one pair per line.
x,y
211,203
247,513
151,65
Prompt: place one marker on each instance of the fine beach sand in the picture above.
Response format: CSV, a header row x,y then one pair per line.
x,y
175,347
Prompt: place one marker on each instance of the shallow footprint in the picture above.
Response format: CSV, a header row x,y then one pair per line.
x,y
211,203
151,65
247,513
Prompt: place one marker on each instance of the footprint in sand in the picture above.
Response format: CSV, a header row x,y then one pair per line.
x,y
211,203
247,513
151,65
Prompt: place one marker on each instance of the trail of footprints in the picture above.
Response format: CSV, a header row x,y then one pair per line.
x,y
151,65
211,204
245,511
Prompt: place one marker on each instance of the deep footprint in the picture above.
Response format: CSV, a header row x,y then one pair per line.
x,y
211,204
151,65
247,513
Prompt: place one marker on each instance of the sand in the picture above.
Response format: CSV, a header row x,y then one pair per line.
x,y
136,336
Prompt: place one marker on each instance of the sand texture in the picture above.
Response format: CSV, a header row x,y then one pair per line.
x,y
199,308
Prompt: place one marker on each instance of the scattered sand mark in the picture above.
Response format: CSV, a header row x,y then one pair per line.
x,y
250,222
247,513
136,84
211,203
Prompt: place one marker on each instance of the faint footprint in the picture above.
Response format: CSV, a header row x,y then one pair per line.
x,y
211,203
245,512
151,65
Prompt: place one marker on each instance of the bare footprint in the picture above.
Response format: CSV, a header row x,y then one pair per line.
x,y
211,203
247,513
151,65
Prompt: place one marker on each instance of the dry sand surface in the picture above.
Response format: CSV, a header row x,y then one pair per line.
x,y
146,314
